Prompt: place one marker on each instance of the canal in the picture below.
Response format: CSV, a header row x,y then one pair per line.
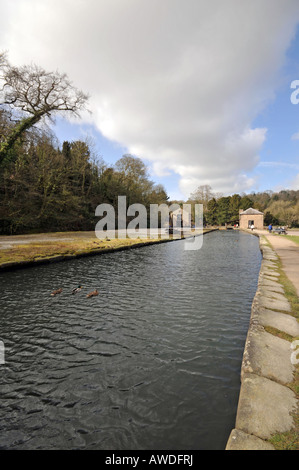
x,y
153,362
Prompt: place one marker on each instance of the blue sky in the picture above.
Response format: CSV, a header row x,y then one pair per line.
x,y
279,155
200,91
109,151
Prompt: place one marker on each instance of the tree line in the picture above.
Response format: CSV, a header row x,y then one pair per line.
x,y
279,208
45,186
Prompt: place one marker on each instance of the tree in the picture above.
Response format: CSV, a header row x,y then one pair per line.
x,y
158,195
223,213
285,212
132,167
202,195
134,179
29,94
234,207
270,219
245,203
211,215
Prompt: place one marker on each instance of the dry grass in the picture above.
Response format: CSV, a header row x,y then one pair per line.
x,y
30,248
33,251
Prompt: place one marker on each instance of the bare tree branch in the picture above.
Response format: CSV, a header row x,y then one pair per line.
x,y
35,94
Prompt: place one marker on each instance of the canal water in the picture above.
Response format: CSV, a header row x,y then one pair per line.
x,y
153,362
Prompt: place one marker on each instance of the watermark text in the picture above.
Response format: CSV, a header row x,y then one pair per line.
x,y
160,221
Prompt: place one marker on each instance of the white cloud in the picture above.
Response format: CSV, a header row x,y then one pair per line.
x,y
178,83
295,183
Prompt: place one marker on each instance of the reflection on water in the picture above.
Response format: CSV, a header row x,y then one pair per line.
x,y
153,362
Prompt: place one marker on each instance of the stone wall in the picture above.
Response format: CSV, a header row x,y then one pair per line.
x,y
258,221
266,402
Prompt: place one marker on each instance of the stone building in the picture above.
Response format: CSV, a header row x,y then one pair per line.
x,y
251,217
180,218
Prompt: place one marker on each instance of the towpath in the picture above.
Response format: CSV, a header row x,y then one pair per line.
x,y
268,404
288,251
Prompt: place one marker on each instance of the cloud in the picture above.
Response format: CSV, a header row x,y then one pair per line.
x,y
177,83
294,184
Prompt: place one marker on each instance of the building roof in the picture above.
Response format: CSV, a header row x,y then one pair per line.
x,y
251,211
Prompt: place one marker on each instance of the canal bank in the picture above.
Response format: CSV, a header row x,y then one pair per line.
x,y
267,403
23,251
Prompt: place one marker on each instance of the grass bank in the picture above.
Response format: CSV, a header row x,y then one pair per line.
x,y
293,238
60,248
25,250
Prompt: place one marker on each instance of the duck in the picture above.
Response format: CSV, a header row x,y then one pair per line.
x,y
55,292
76,290
93,293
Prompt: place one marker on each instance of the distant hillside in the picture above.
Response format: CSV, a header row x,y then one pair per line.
x,y
280,208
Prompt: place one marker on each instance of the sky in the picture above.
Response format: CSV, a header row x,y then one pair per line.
x,y
199,90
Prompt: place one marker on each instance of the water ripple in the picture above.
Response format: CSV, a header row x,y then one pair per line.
x,y
153,362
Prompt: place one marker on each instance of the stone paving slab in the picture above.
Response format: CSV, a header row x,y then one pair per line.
x,y
239,440
265,407
270,257
268,355
266,403
269,264
271,285
268,254
275,304
280,321
265,291
270,273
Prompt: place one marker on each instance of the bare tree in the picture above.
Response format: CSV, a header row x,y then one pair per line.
x,y
202,195
30,94
2,59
